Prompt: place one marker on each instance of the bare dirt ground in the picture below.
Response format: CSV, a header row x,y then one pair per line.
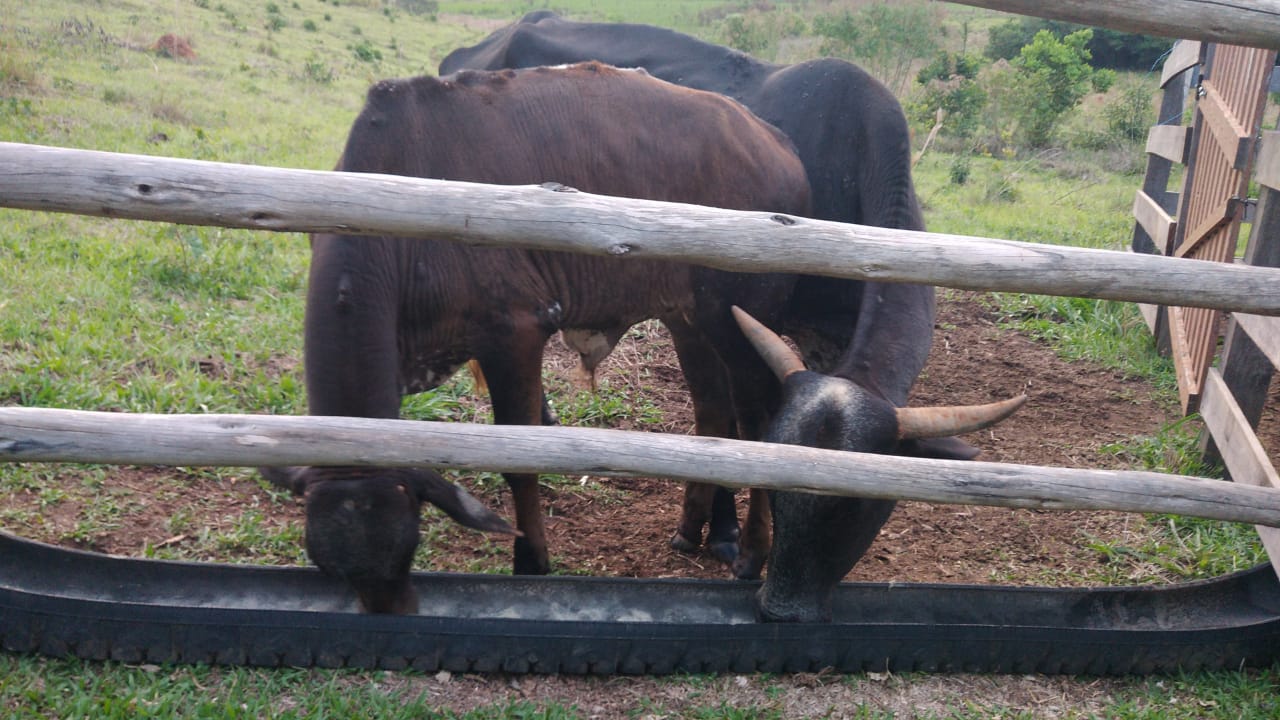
x,y
622,527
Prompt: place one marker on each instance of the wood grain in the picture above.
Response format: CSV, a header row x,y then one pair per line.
x,y
50,435
244,196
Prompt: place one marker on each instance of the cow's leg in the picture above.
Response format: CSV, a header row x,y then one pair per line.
x,y
713,417
515,387
755,392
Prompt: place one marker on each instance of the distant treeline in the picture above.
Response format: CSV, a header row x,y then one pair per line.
x,y
1109,48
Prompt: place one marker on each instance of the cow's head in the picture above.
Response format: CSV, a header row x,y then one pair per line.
x,y
362,525
817,539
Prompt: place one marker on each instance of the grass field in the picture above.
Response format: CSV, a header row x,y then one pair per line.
x,y
145,317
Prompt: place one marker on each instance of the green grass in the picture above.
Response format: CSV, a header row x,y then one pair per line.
x,y
40,688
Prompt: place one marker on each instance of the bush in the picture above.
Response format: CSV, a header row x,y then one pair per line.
x,y
317,70
1130,114
366,52
950,83
741,33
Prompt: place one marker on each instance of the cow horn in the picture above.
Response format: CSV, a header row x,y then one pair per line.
x,y
936,422
776,354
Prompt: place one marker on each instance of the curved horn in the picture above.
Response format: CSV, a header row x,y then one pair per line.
x,y
935,422
775,353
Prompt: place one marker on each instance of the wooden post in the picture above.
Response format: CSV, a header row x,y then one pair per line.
x,y
1155,186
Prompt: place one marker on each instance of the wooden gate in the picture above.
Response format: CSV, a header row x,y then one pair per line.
x,y
1220,150
1230,98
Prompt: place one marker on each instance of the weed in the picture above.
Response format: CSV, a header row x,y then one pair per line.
x,y
366,52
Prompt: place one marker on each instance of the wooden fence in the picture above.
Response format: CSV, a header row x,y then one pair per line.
x,y
1220,149
119,185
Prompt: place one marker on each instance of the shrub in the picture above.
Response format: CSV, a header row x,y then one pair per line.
x,y
366,52
742,33
317,70
1129,115
950,83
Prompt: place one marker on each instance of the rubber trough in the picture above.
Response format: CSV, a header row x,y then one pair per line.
x,y
68,603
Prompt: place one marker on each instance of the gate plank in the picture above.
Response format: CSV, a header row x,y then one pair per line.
x,y
1265,333
1172,142
1241,452
1228,132
1268,172
1157,223
1185,55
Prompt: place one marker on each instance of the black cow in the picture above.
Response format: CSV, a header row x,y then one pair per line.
x,y
388,316
852,137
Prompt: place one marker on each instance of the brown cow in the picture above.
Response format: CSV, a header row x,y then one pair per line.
x,y
389,316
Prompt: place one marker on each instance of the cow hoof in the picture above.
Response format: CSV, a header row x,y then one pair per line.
x,y
747,567
680,543
726,551
526,561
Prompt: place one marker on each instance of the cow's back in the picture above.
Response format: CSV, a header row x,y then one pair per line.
x,y
419,308
589,126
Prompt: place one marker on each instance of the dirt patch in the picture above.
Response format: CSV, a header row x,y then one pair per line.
x,y
174,47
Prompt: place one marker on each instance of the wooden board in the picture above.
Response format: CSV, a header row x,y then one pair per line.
x,y
1243,22
1232,138
1213,221
1241,452
1268,170
198,192
1265,333
1185,55
1171,142
52,435
1154,220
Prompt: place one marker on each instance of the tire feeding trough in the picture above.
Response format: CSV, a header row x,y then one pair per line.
x,y
69,603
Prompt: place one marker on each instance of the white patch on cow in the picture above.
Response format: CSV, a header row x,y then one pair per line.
x,y
566,66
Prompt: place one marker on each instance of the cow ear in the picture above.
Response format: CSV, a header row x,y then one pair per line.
x,y
943,448
293,479
457,503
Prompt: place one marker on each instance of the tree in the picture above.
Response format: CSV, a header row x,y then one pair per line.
x,y
1052,76
1109,48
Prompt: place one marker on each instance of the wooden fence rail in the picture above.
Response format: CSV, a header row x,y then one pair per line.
x,y
50,435
1255,23
263,198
